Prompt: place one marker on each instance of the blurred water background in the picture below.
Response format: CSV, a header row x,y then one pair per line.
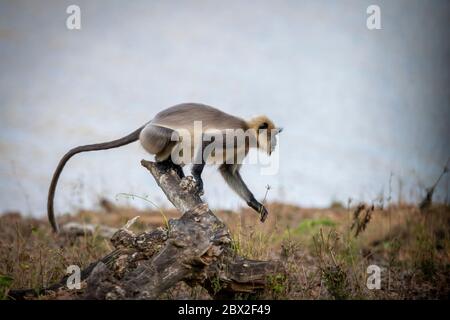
x,y
360,108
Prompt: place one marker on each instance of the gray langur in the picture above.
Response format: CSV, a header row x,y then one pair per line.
x,y
156,138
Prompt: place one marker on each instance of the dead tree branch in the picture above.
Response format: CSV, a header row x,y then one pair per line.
x,y
195,248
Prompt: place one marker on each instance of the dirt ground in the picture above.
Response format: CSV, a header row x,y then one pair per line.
x,y
326,251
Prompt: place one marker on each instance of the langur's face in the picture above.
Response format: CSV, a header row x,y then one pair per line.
x,y
267,139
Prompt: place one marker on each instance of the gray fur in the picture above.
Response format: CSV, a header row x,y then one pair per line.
x,y
182,116
233,178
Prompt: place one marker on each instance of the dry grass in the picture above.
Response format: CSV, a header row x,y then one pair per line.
x,y
324,257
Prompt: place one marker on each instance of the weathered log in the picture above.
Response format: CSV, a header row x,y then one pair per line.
x,y
195,248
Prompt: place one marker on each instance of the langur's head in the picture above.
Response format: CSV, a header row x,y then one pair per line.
x,y
266,133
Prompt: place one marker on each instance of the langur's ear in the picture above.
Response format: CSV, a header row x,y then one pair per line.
x,y
278,130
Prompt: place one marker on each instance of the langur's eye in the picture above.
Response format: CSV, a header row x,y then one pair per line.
x,y
263,126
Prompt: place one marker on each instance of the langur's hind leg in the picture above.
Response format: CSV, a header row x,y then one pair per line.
x,y
178,169
234,180
199,162
196,171
158,141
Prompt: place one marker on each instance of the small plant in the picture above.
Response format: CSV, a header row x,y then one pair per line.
x,y
360,221
425,253
5,284
215,284
336,281
427,201
277,285
236,245
332,270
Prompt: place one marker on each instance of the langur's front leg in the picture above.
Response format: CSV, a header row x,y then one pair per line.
x,y
233,178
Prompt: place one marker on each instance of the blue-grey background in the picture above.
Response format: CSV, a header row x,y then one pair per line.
x,y
356,105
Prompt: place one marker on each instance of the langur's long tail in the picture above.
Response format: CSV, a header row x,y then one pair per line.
x,y
132,137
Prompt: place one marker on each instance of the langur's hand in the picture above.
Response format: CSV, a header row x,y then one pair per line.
x,y
258,207
264,213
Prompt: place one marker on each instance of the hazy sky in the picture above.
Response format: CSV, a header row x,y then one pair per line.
x,y
356,104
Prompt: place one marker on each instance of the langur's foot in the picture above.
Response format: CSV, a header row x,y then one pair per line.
x,y
199,186
179,171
